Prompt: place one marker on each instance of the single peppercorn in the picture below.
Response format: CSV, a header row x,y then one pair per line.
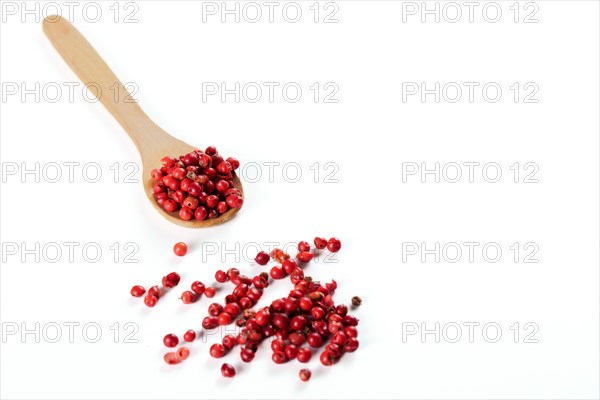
x,y
227,371
356,301
189,335
171,340
305,374
217,350
138,291
334,245
262,258
210,292
180,249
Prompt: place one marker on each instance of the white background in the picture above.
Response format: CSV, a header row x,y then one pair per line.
x,y
368,134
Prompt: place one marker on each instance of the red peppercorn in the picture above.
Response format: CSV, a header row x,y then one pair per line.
x,y
262,317
304,354
209,187
156,174
221,276
305,374
320,243
356,301
201,213
191,202
224,319
278,305
291,351
247,355
150,301
305,304
278,345
259,282
168,161
158,188
305,256
227,371
155,291
254,294
194,189
298,322
185,184
198,288
351,345
277,273
189,336
315,340
178,173
171,340
281,334
222,186
317,313
171,358
170,205
279,255
302,286
224,167
138,291
279,357
178,196
335,349
262,258
211,150
281,321
351,331
339,338
210,172
189,297
185,213
334,326
289,266
183,353
161,198
217,350
180,249
222,207
171,280
240,290
341,309
174,184
350,320
232,273
210,322
268,330
235,164
320,327
212,201
232,309
255,336
327,358
210,292
234,200
334,245
291,305
296,276
297,338
229,341
215,309
303,246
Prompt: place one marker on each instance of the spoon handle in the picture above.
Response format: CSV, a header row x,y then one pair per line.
x,y
101,81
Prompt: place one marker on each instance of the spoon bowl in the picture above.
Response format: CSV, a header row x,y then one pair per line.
x,y
152,142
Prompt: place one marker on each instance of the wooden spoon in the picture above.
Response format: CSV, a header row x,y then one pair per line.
x,y
152,142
